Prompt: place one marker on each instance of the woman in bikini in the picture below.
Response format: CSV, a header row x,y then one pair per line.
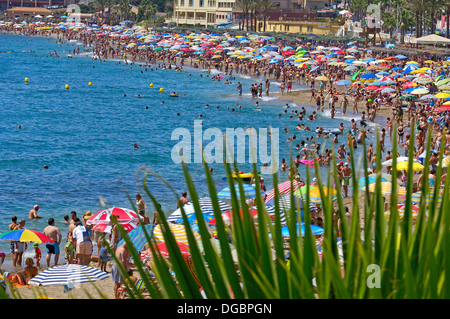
x,y
400,132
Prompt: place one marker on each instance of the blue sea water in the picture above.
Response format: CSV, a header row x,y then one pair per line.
x,y
86,134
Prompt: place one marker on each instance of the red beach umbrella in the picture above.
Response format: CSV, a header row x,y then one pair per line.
x,y
103,223
442,108
164,251
284,188
227,216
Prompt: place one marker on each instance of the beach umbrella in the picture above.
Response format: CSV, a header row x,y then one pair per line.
x,y
442,95
249,191
372,178
400,159
416,197
350,68
25,235
192,219
428,97
162,248
407,97
442,82
68,274
228,216
387,90
316,230
403,166
401,212
442,108
271,211
386,189
188,209
178,231
314,194
284,188
321,78
343,83
378,83
446,161
207,206
103,223
368,76
137,236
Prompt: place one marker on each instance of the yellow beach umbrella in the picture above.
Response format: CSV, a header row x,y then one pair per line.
x,y
321,78
446,160
403,166
179,232
430,62
442,95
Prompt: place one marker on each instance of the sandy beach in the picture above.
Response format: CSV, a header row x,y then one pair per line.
x,y
102,50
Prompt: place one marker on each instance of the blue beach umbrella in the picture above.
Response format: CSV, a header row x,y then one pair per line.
x,y
378,83
401,57
206,205
343,83
397,68
137,236
368,76
68,274
316,230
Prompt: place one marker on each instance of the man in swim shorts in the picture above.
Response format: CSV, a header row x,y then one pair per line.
x,y
54,234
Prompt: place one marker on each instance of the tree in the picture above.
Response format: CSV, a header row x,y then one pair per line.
x,y
124,9
146,10
264,7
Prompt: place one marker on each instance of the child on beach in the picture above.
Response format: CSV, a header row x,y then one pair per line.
x,y
37,254
69,252
103,258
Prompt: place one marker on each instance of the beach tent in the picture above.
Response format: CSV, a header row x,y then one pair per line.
x,y
432,39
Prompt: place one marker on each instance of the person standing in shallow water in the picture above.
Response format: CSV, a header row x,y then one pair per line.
x,y
54,234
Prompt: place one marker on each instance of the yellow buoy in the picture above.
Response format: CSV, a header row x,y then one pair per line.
x,y
90,83
161,90
67,86
26,80
151,85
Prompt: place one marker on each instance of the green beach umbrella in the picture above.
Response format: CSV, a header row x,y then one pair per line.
x,y
442,82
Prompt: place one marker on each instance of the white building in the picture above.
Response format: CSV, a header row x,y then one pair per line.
x,y
202,12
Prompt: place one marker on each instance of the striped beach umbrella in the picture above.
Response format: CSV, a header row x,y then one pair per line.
x,y
315,197
386,189
284,188
446,161
25,235
401,212
271,212
179,232
207,206
249,191
68,274
188,209
416,197
137,236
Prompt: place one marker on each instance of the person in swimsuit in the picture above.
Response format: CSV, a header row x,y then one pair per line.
x,y
400,132
346,175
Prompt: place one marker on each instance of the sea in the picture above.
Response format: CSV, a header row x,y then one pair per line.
x,y
86,134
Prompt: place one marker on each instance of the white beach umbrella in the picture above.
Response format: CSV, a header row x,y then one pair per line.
x,y
68,274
